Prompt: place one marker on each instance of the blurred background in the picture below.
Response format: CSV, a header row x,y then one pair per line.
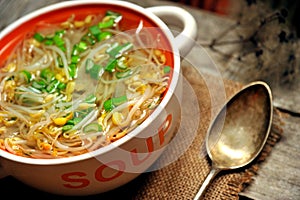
x,y
261,41
229,7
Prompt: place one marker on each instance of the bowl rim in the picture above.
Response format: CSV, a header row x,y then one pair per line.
x,y
170,92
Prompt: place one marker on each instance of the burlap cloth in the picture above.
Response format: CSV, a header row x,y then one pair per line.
x,y
182,178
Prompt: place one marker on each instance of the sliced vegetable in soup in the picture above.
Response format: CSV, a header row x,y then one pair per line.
x,y
75,87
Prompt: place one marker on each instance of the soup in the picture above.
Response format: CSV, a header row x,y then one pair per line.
x,y
78,85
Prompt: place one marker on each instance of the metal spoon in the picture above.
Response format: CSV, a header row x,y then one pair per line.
x,y
239,132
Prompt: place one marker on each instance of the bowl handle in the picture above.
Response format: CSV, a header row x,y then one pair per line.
x,y
172,15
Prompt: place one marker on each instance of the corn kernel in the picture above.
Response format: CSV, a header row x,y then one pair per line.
x,y
141,89
69,90
34,42
162,59
79,24
88,19
117,118
65,24
54,153
49,98
157,52
60,121
60,77
106,18
70,87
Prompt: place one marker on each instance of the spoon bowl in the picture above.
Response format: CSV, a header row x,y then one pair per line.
x,y
239,131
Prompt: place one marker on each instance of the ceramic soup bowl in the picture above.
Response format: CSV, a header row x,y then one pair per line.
x,y
123,160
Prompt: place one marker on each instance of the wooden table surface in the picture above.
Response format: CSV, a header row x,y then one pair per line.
x,y
279,176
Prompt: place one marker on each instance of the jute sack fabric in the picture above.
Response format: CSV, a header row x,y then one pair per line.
x,y
182,178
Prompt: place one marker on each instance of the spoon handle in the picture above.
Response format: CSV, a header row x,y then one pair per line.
x,y
213,172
